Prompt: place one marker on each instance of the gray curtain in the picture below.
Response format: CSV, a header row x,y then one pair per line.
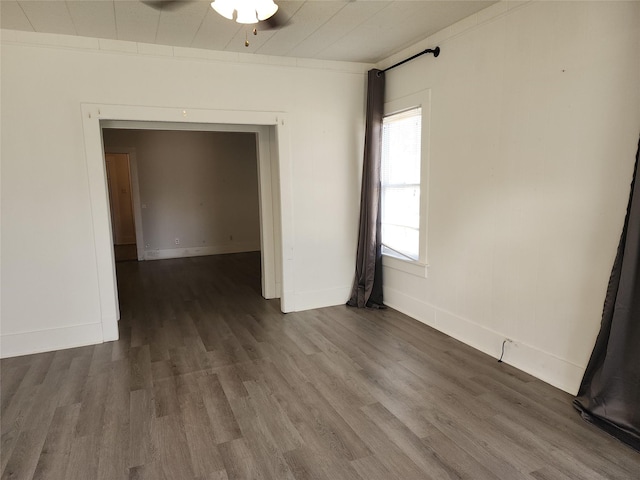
x,y
367,286
609,395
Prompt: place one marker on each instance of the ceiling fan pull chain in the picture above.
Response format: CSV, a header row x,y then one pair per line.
x,y
246,36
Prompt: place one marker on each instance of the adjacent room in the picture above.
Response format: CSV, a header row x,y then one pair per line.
x,y
200,192
319,239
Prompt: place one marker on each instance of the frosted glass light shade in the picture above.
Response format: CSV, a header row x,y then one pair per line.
x,y
248,11
224,8
246,14
265,9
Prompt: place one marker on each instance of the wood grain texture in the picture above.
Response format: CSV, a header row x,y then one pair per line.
x,y
211,382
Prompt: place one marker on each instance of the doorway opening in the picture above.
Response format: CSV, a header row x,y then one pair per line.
x,y
196,190
190,193
274,174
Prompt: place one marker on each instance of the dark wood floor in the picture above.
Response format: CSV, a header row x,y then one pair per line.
x,y
209,381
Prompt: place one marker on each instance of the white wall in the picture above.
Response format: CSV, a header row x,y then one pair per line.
x,y
198,187
50,290
534,126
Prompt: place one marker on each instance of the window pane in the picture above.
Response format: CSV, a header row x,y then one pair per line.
x,y
401,206
400,177
402,239
401,148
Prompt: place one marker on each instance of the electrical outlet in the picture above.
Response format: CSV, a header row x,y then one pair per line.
x,y
177,241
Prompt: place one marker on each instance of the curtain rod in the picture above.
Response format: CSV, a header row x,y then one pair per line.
x,y
435,51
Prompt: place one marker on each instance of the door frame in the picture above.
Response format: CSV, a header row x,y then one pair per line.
x,y
275,174
267,191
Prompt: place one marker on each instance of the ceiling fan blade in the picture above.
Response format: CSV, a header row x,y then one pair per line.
x,y
166,5
274,22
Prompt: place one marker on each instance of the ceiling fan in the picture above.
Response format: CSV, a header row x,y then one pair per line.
x,y
274,21
264,14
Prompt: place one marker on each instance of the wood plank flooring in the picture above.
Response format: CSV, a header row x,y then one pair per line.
x,y
211,382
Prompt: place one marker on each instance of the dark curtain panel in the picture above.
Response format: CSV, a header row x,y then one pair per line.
x,y
367,286
609,395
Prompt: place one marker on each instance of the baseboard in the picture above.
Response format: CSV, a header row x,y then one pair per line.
x,y
110,328
321,298
237,247
26,343
547,367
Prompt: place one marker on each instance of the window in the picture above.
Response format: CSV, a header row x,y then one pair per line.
x,y
400,175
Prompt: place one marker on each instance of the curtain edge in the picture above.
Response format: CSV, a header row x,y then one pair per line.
x,y
614,430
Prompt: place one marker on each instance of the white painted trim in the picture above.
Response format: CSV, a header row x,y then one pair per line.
x,y
100,216
268,239
543,365
107,46
268,190
275,205
411,267
410,306
287,231
420,99
322,298
27,343
93,118
237,247
110,328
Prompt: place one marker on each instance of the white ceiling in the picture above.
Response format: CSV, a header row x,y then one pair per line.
x,y
358,30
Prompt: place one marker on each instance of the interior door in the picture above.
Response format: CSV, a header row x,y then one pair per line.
x,y
119,184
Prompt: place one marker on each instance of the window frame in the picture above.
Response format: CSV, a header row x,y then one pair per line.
x,y
420,99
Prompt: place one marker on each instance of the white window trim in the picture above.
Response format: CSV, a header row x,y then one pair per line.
x,y
422,99
411,267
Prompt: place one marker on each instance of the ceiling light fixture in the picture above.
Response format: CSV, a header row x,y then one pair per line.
x,y
248,11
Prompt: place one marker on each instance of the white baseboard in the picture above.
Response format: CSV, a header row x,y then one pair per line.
x,y
321,298
26,343
236,247
110,328
543,365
